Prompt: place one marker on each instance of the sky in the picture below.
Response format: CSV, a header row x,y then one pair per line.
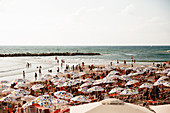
x,y
84,22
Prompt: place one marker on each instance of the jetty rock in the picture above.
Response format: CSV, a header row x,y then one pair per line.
x,y
47,54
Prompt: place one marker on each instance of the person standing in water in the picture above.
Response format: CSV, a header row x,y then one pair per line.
x,y
23,74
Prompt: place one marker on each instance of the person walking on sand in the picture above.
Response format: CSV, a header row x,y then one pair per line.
x,y
23,74
35,76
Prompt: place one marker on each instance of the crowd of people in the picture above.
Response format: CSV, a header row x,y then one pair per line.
x,y
95,76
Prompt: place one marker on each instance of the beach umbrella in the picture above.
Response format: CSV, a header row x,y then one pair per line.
x,y
63,95
2,87
28,98
19,80
88,80
168,74
95,88
8,90
83,89
7,99
107,81
81,73
131,82
132,74
80,98
114,73
159,72
59,102
159,82
129,92
4,82
167,84
86,84
163,78
113,77
47,76
54,79
70,83
116,90
20,85
44,101
125,77
19,93
37,86
42,79
75,76
146,85
97,82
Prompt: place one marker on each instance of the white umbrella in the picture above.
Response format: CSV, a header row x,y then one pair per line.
x,y
131,82
86,84
146,85
115,90
83,89
63,95
8,90
163,77
80,98
159,82
20,85
129,92
37,86
96,82
167,84
95,88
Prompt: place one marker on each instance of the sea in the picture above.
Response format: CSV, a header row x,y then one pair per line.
x,y
12,67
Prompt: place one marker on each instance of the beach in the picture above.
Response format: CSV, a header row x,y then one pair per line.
x,y
84,79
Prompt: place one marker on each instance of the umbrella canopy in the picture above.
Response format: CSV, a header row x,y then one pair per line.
x,y
114,72
96,82
112,77
47,76
28,98
63,95
125,77
131,82
75,76
159,82
168,74
7,99
19,93
167,84
19,80
8,90
4,82
129,92
88,80
20,85
146,85
95,88
37,86
110,105
59,102
107,81
2,87
84,90
86,84
80,98
44,100
115,90
163,78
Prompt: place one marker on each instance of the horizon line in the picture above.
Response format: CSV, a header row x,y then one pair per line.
x,y
92,45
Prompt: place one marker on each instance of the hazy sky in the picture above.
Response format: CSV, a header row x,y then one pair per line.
x,y
84,22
